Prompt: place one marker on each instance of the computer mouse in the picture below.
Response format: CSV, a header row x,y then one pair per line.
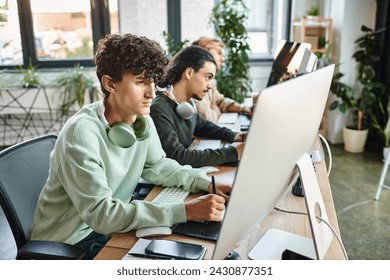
x,y
233,256
153,231
209,169
297,189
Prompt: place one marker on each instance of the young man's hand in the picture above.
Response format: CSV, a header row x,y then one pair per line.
x,y
222,190
205,208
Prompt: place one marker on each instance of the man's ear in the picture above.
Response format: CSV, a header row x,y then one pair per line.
x,y
108,84
188,72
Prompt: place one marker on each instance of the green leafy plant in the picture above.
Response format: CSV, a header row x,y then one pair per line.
x,y
344,92
313,11
30,77
228,17
346,97
172,49
370,107
74,84
373,100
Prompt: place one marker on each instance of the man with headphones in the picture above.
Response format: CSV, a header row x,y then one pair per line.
x,y
106,147
189,76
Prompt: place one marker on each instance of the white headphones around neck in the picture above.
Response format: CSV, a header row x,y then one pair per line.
x,y
184,109
122,134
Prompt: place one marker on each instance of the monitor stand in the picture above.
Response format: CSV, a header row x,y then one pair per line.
x,y
274,242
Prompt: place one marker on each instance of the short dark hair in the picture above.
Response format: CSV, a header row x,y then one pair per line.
x,y
191,56
117,55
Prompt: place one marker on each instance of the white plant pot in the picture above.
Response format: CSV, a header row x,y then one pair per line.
x,y
354,140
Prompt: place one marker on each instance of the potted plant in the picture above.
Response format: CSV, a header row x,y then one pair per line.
x,y
354,139
366,106
24,91
29,76
313,11
74,84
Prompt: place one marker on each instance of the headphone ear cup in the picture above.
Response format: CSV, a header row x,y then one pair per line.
x,y
141,128
122,135
185,110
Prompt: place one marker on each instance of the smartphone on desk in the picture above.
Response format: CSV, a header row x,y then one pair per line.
x,y
175,249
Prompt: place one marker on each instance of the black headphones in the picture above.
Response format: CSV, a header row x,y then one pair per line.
x,y
184,109
122,134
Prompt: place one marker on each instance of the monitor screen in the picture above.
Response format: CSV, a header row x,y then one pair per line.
x,y
291,59
284,125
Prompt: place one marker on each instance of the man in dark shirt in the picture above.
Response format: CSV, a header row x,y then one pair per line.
x,y
189,76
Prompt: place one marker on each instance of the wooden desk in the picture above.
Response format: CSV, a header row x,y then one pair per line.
x,y
120,244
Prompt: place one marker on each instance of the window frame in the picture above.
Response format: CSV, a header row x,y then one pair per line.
x,y
285,32
174,26
100,17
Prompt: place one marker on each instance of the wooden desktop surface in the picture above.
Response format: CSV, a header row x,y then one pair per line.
x,y
119,244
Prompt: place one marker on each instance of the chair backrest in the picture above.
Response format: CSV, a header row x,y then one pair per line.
x,y
24,169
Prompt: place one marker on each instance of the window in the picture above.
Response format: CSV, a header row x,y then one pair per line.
x,y
54,33
267,24
195,19
10,39
137,17
62,33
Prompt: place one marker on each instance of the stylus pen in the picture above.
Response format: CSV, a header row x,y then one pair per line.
x,y
213,184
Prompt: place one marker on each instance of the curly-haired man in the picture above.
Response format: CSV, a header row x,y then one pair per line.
x,y
105,148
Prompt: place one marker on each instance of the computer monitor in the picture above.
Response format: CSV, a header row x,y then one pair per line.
x,y
284,126
290,60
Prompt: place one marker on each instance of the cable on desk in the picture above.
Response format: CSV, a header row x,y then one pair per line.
x,y
329,152
320,218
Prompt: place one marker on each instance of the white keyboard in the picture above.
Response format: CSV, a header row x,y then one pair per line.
x,y
208,144
228,118
171,194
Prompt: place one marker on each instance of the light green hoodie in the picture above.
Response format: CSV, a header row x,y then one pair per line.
x,y
92,180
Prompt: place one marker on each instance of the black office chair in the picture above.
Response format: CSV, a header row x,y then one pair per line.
x,y
24,169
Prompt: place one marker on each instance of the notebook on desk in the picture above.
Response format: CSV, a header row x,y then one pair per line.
x,y
203,230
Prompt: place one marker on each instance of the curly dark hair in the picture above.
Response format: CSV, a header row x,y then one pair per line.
x,y
191,56
117,55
